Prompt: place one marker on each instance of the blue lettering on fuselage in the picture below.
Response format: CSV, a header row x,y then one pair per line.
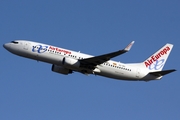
x,y
39,48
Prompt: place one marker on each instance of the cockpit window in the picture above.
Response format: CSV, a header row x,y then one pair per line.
x,y
14,42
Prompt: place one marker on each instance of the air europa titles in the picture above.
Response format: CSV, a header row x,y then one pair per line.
x,y
157,56
59,50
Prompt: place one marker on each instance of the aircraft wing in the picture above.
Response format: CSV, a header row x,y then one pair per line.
x,y
103,58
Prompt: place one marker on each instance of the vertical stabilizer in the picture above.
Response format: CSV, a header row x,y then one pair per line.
x,y
157,61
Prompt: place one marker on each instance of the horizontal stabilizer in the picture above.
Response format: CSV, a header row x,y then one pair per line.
x,y
162,73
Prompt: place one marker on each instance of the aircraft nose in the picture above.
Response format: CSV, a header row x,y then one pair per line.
x,y
6,46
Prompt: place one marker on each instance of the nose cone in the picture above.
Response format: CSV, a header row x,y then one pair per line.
x,y
7,46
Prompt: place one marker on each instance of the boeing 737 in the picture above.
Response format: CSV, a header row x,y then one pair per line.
x,y
66,61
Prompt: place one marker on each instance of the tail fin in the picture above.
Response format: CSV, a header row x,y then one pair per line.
x,y
157,61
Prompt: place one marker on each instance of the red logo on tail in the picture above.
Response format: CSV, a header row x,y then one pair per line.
x,y
157,56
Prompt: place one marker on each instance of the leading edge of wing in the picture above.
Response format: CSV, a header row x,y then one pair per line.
x,y
105,57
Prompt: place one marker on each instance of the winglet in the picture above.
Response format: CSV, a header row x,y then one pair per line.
x,y
129,46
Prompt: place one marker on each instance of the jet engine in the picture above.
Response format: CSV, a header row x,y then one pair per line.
x,y
62,70
70,63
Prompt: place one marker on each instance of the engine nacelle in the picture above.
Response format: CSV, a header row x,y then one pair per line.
x,y
70,63
62,70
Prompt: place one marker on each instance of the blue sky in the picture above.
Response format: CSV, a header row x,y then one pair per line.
x,y
30,91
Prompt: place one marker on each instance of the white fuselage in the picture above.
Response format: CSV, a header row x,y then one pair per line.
x,y
54,55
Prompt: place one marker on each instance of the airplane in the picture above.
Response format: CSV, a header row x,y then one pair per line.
x,y
66,61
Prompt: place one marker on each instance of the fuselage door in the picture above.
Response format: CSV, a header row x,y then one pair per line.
x,y
26,45
138,73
